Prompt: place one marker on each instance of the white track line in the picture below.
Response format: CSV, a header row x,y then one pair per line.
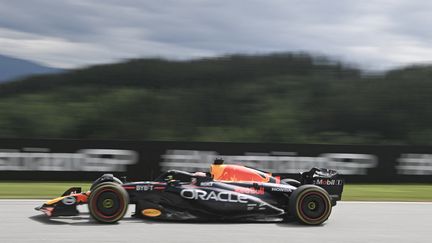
x,y
343,202
382,202
23,200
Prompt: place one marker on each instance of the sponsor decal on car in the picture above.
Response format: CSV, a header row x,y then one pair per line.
x,y
151,212
69,200
280,189
206,183
328,182
252,190
144,187
198,194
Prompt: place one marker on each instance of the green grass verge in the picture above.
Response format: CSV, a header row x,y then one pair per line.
x,y
352,192
43,190
393,192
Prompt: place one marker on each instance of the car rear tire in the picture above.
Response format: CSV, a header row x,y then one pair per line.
x,y
310,205
108,202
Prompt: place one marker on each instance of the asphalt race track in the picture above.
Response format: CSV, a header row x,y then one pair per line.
x,y
349,222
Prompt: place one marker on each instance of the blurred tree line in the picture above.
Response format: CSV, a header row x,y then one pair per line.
x,y
293,98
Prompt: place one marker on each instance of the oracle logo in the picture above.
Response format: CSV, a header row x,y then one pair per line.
x,y
197,194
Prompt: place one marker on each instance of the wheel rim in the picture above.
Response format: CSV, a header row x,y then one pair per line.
x,y
313,207
108,204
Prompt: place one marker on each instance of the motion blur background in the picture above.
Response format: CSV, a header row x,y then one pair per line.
x,y
298,72
274,71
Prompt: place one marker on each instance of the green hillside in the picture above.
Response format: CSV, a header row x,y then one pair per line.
x,y
294,98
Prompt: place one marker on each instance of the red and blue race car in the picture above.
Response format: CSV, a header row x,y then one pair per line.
x,y
227,192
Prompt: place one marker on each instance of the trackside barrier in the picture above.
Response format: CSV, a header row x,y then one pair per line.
x,y
61,159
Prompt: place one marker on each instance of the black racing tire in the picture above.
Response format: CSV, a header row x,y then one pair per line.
x,y
310,205
108,202
105,178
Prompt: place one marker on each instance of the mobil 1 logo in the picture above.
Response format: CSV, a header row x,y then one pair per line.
x,y
328,182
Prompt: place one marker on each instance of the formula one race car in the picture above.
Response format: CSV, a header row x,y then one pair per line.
x,y
228,192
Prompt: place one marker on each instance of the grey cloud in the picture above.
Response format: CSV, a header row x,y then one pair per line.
x,y
85,32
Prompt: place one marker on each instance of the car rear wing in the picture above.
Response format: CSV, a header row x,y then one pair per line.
x,y
329,180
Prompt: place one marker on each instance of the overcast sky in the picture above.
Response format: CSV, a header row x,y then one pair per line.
x,y
376,34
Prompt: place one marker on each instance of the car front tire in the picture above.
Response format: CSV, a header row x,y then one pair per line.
x,y
108,202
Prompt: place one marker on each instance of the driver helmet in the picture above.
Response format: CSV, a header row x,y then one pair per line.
x,y
218,161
